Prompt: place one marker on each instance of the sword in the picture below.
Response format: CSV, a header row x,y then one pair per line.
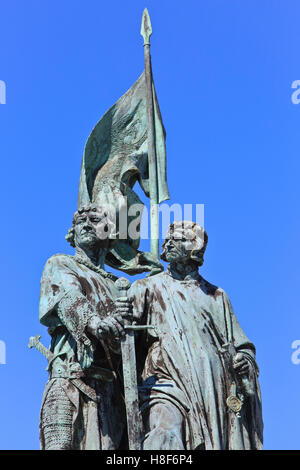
x,y
133,415
34,342
235,402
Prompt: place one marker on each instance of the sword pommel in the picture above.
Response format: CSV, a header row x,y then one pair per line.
x,y
33,341
122,284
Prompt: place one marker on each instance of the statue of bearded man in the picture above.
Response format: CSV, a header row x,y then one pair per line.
x,y
82,406
199,374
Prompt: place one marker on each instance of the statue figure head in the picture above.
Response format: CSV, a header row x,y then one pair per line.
x,y
185,242
92,228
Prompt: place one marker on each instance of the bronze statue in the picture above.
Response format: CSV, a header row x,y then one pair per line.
x,y
82,405
197,373
199,376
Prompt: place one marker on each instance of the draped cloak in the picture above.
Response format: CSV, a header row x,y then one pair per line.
x,y
95,425
181,361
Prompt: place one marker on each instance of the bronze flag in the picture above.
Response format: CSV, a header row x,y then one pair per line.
x,y
115,158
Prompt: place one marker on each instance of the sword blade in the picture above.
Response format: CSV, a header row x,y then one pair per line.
x,y
133,416
134,420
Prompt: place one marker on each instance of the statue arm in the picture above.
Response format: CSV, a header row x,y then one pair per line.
x,y
246,351
83,323
63,302
235,331
74,312
244,360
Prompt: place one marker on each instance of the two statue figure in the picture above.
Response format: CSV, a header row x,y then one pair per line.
x,y
197,374
195,381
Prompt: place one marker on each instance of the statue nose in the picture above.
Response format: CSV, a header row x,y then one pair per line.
x,y
87,225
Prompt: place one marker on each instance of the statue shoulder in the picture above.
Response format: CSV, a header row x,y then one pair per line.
x,y
59,258
59,261
212,290
148,281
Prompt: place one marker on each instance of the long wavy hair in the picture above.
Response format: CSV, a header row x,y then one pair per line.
x,y
193,232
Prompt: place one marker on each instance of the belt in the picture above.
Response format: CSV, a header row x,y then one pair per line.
x,y
61,370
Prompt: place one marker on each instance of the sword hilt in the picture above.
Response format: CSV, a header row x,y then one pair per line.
x,y
122,284
138,327
230,350
34,342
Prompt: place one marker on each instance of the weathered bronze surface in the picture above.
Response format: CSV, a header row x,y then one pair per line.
x,y
82,407
195,395
134,422
120,151
172,355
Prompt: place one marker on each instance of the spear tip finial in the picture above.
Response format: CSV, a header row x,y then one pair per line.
x,y
146,28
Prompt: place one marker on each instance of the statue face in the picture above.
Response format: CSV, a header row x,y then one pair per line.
x,y
90,230
178,247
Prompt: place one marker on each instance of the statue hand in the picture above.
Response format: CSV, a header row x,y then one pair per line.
x,y
112,328
123,310
241,364
94,323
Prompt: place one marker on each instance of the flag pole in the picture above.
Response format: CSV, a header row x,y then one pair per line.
x,y
146,31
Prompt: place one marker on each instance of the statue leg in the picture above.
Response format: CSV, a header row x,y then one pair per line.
x,y
165,423
56,419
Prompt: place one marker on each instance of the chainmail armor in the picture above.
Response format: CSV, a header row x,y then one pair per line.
x,y
57,418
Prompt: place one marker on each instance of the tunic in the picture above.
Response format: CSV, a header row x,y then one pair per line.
x,y
97,424
181,360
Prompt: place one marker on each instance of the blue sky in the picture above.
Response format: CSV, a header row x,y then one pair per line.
x,y
223,72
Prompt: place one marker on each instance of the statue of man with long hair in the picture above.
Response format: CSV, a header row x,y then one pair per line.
x,y
199,383
82,406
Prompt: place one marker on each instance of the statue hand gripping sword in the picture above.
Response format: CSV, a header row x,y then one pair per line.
x,y
133,415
